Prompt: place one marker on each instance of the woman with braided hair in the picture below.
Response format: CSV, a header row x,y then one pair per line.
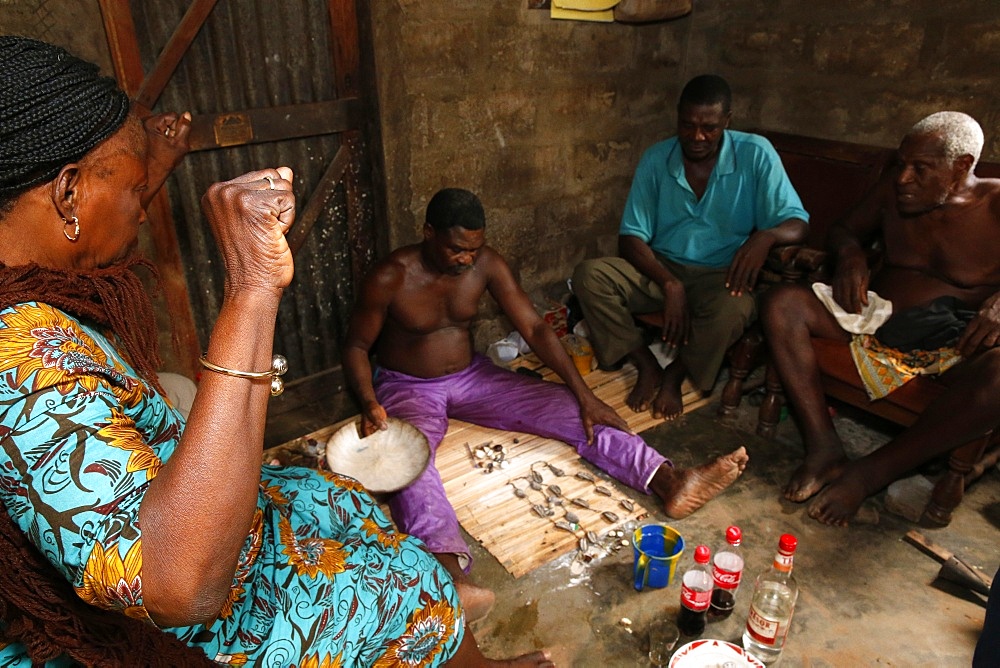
x,y
122,519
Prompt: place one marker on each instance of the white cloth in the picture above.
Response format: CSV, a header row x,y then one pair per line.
x,y
180,391
868,321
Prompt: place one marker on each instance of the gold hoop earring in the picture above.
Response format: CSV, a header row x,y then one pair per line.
x,y
76,228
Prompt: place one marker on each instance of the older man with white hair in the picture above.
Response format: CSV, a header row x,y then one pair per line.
x,y
940,226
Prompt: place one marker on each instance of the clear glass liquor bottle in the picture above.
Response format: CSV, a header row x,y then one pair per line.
x,y
772,605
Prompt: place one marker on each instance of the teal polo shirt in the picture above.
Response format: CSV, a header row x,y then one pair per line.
x,y
747,191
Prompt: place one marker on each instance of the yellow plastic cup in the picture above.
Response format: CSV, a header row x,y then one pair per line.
x,y
581,352
657,548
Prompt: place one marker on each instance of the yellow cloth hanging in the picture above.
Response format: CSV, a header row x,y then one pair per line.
x,y
584,10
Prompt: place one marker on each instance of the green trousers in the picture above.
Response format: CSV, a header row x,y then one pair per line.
x,y
611,290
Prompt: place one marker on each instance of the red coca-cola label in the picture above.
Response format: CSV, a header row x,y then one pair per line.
x,y
696,600
726,579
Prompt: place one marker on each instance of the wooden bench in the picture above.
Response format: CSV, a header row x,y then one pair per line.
x,y
831,177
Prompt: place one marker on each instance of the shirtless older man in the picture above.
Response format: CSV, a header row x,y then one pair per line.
x,y
415,313
941,230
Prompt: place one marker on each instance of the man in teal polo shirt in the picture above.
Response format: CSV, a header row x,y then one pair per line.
x,y
705,208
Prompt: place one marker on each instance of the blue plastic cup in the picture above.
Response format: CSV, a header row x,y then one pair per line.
x,y
657,548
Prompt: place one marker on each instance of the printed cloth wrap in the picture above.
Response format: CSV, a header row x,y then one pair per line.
x,y
323,579
884,369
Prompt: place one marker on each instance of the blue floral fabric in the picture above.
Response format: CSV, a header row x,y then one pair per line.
x,y
324,579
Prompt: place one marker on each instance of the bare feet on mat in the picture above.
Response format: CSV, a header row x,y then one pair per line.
x,y
684,491
476,601
812,475
669,403
646,383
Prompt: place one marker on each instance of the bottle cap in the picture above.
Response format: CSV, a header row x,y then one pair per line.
x,y
734,535
701,554
787,543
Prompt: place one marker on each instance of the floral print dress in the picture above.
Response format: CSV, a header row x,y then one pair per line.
x,y
323,580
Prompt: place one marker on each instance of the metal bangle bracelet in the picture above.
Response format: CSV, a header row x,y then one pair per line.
x,y
279,365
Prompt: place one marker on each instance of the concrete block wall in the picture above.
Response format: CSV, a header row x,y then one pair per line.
x,y
546,120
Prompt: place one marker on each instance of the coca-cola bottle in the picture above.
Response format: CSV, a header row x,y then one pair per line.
x,y
772,605
696,594
727,569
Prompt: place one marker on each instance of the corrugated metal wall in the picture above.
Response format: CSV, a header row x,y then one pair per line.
x,y
253,55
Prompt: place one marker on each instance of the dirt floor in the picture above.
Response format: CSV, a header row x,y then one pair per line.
x,y
867,597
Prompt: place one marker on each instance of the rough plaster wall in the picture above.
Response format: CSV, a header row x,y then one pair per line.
x,y
75,25
546,120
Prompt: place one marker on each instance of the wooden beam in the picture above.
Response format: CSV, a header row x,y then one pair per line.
x,y
125,55
256,126
314,207
346,55
170,57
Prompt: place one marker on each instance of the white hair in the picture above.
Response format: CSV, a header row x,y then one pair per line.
x,y
960,133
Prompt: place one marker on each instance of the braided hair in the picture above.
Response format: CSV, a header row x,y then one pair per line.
x,y
54,108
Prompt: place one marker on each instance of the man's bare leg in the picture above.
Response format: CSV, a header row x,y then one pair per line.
x,y
791,315
647,380
477,601
669,404
684,491
965,412
469,656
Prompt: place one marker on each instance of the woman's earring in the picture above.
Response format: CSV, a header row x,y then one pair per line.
x,y
75,222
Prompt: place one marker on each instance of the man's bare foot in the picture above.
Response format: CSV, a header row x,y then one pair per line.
x,y
812,475
646,383
476,601
684,491
839,502
534,659
469,656
668,404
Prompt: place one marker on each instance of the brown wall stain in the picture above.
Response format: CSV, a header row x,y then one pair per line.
x,y
546,119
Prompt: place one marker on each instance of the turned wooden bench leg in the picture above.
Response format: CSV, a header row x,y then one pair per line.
x,y
950,489
742,359
770,408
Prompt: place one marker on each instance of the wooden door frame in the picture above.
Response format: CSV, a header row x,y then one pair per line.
x,y
346,115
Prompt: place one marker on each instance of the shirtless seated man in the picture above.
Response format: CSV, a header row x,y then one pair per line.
x,y
415,312
940,225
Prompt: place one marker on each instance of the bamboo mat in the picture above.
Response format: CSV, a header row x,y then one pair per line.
x,y
504,524
486,505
